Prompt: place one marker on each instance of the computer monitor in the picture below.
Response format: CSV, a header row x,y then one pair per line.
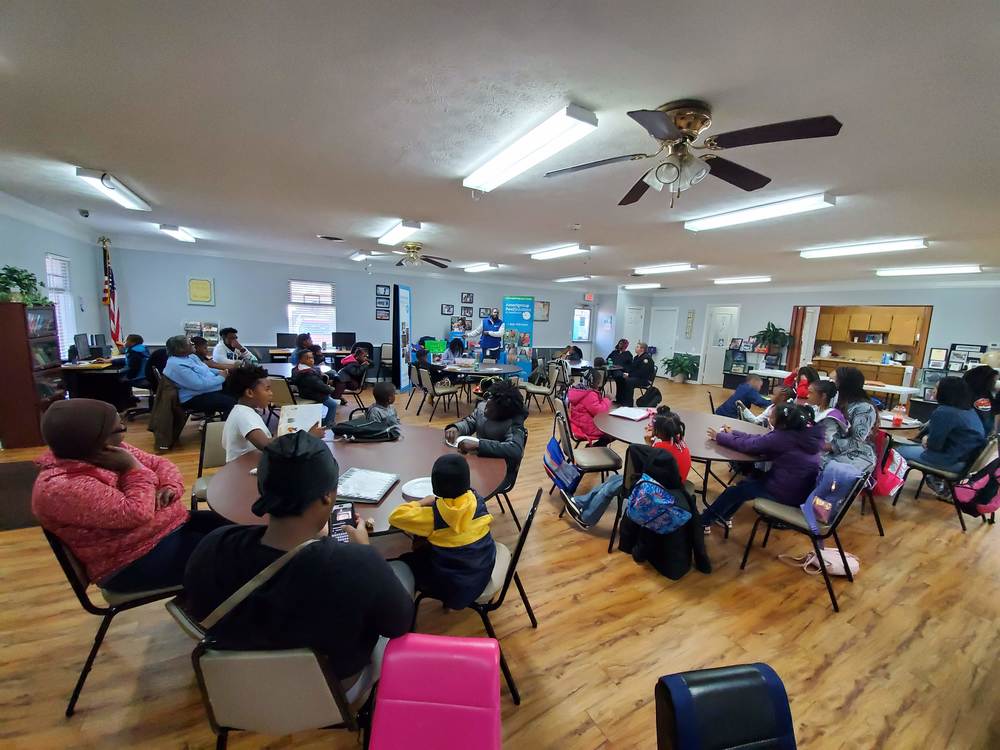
x,y
98,341
344,340
287,340
82,343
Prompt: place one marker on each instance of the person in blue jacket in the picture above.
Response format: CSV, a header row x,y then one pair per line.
x,y
136,358
490,334
747,393
198,386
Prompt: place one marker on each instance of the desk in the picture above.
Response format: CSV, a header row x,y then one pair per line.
x,y
284,354
696,424
103,382
233,489
285,369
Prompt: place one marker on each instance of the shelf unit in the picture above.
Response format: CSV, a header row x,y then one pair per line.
x,y
30,371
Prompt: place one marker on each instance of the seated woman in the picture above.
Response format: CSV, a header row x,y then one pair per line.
x,y
821,394
620,356
855,446
800,381
586,401
498,423
114,506
792,447
314,386
954,436
982,381
639,374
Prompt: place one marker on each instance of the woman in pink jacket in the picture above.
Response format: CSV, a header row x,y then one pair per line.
x,y
585,403
116,507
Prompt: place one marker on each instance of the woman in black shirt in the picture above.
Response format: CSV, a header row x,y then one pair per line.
x,y
640,373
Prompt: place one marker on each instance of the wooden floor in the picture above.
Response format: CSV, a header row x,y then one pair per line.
x,y
909,662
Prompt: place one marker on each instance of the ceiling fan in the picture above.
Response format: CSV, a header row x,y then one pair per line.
x,y
676,125
413,256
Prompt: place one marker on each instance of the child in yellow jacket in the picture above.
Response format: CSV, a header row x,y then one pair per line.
x,y
457,562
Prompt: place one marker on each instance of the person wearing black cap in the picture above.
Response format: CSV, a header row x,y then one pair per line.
x,y
343,600
456,562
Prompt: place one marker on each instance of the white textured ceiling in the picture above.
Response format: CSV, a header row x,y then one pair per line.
x,y
260,124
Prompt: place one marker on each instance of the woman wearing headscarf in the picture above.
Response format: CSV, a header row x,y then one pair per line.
x,y
114,506
620,356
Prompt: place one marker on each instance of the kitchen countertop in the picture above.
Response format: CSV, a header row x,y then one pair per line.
x,y
870,363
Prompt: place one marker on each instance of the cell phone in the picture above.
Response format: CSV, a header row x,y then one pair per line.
x,y
341,515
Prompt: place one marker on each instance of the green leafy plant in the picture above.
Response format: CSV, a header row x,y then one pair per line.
x,y
21,285
773,336
682,364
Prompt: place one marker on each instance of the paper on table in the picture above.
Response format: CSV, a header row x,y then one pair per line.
x,y
463,439
299,417
630,412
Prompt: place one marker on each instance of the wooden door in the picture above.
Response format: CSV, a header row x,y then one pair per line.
x,y
903,331
824,328
881,322
841,326
860,321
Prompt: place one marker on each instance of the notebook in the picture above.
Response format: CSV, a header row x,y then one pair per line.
x,y
299,417
630,412
364,485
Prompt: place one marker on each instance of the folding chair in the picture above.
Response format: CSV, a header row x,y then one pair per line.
x,y
415,385
438,391
493,596
791,517
590,460
384,361
867,496
211,456
281,395
356,392
116,601
547,392
711,403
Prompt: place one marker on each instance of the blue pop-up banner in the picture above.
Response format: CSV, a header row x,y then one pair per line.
x,y
519,325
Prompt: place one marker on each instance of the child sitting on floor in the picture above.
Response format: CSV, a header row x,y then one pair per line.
x,y
383,410
456,562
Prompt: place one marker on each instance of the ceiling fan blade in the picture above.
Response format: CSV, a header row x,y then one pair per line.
x,y
792,130
736,174
436,257
638,190
657,124
600,163
399,262
428,259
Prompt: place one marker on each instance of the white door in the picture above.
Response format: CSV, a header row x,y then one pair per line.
x,y
635,319
663,332
808,342
721,324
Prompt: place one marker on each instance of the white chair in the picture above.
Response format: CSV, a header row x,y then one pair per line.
x,y
211,456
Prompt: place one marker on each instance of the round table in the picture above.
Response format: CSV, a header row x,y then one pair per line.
x,y
696,424
233,489
484,371
885,423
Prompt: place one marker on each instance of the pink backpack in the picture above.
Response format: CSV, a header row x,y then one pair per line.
x,y
890,473
979,494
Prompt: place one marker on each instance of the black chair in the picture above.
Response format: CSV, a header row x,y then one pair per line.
x,y
116,602
643,388
502,493
711,403
356,392
492,598
726,708
416,385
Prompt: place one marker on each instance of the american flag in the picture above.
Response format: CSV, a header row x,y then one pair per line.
x,y
108,295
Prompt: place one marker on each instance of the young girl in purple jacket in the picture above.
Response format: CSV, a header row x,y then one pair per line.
x,y
793,448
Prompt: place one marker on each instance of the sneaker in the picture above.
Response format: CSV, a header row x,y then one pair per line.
x,y
939,487
574,510
707,530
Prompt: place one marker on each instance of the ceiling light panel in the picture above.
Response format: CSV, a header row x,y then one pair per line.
x,y
563,251
864,248
178,233
928,270
399,232
804,204
111,187
743,280
480,267
567,279
664,268
642,286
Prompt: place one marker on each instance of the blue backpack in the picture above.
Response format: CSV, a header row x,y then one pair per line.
x,y
832,490
651,506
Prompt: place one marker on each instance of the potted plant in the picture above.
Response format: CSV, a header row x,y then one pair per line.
x,y
21,285
776,338
681,366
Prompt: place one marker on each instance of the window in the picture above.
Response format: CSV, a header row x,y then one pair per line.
x,y
312,308
581,323
58,290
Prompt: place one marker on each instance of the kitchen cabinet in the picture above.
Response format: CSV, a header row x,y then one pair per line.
x,y
824,328
903,331
860,321
841,326
880,322
888,374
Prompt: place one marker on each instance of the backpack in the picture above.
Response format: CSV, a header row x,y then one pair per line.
x,y
563,474
651,397
832,490
653,507
979,494
890,474
364,430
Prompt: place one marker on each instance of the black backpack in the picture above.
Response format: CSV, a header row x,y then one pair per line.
x,y
364,430
651,397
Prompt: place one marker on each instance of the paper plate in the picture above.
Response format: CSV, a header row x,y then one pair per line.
x,y
417,489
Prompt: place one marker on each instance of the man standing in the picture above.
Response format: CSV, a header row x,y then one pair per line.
x,y
229,349
490,332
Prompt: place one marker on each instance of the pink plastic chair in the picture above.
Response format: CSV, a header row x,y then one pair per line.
x,y
438,692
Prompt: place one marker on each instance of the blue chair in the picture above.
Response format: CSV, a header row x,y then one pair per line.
x,y
740,706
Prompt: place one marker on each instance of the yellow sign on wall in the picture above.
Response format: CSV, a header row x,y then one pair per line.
x,y
201,291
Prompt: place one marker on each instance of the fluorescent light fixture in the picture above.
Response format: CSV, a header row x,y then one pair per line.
x,y
927,270
398,233
561,252
760,213
111,187
178,233
480,267
642,286
865,248
664,268
743,280
565,279
563,129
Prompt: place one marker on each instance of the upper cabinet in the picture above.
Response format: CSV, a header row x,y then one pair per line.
x,y
860,321
903,331
880,322
824,327
841,327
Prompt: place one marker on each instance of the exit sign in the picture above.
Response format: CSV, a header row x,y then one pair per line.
x,y
588,297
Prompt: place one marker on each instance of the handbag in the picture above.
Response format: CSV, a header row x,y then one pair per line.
x,y
831,556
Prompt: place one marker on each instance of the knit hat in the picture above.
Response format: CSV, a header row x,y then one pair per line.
x,y
295,471
450,476
78,428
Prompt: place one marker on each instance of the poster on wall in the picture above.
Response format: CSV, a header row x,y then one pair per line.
x,y
402,303
518,315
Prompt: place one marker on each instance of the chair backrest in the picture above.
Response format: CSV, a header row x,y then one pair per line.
x,y
74,571
630,471
565,438
385,352
711,402
412,369
302,693
281,393
556,375
560,410
521,539
213,452
859,485
983,458
421,377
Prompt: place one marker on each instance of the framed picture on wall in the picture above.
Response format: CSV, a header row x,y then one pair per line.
x,y
484,312
381,290
467,310
467,298
735,344
542,311
447,309
381,315
929,393
381,303
201,291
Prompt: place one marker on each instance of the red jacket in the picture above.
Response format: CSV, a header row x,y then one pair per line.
x,y
107,520
584,405
801,387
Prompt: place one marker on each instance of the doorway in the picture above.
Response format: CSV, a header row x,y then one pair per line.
x,y
663,332
635,321
721,324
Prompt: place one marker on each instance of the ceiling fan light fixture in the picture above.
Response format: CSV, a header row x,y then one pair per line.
x,y
567,279
928,270
743,280
664,268
111,187
480,267
641,286
800,205
178,233
864,248
561,252
399,232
